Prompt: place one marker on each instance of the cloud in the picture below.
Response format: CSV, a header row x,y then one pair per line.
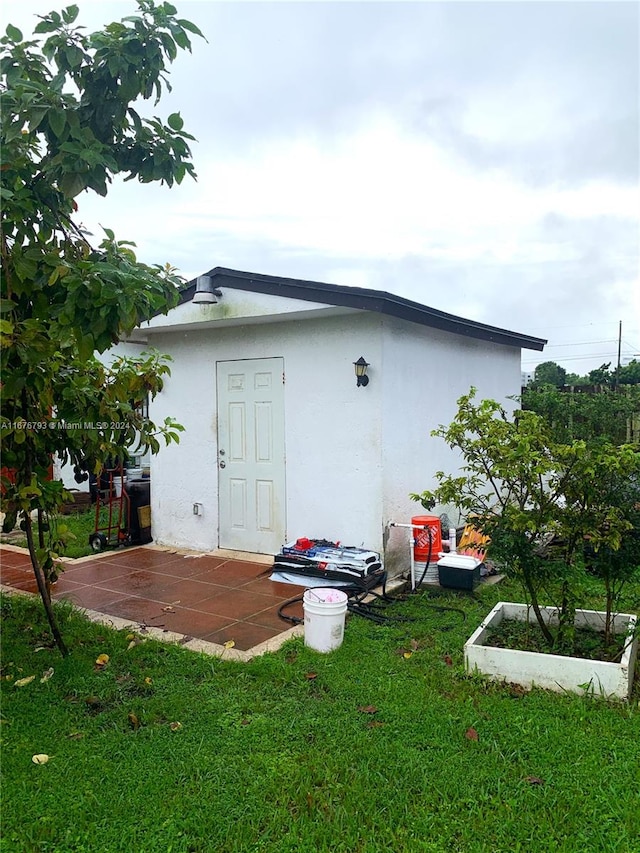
x,y
480,157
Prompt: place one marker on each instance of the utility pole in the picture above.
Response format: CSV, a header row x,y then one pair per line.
x,y
617,379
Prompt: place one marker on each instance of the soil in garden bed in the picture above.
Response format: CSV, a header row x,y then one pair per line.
x,y
582,643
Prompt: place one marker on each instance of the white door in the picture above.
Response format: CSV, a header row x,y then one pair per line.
x,y
251,472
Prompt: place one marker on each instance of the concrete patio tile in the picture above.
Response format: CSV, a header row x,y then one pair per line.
x,y
245,635
64,584
140,610
189,592
236,603
204,562
13,559
211,598
189,568
274,588
28,584
193,623
89,597
13,575
143,583
270,619
98,572
142,558
247,567
233,574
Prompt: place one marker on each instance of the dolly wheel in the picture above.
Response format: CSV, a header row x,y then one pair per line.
x,y
98,541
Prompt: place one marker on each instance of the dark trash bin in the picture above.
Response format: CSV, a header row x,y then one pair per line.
x,y
100,484
139,492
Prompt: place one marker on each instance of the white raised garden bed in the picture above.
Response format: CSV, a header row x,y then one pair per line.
x,y
554,672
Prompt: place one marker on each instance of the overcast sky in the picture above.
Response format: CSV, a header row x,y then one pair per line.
x,y
481,158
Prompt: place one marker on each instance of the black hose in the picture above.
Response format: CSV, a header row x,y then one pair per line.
x,y
426,567
295,620
371,609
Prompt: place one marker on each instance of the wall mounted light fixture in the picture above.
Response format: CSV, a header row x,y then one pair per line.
x,y
206,293
361,372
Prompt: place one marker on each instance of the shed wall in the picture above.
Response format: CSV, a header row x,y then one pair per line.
x,y
424,372
332,429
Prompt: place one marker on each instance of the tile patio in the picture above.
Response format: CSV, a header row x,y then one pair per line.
x,y
209,598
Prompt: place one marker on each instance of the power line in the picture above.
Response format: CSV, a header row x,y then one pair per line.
x,y
571,326
583,343
608,355
627,353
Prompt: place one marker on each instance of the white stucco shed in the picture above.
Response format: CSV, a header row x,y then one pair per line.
x,y
279,441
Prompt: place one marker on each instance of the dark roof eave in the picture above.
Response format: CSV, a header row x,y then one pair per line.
x,y
364,299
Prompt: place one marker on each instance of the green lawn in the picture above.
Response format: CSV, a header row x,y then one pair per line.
x,y
369,748
81,525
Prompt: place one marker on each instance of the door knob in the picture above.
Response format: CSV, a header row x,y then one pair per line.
x,y
223,464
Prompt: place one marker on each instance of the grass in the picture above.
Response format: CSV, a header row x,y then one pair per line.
x,y
383,745
80,525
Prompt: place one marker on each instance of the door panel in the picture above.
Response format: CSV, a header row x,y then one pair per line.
x,y
251,457
237,503
264,504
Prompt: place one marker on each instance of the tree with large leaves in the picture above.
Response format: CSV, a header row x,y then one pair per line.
x,y
69,126
522,487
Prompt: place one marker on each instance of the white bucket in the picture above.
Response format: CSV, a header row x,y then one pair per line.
x,y
431,575
324,614
118,483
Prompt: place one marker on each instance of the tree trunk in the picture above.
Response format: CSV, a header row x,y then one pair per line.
x,y
546,633
43,583
43,588
564,617
608,625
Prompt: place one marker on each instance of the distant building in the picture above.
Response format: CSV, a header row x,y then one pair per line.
x,y
526,378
